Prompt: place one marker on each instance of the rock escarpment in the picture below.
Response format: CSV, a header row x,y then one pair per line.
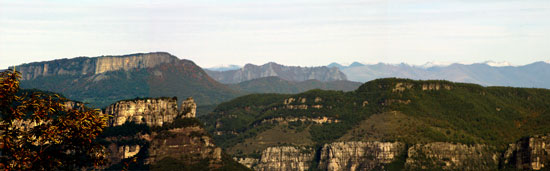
x,y
104,80
93,66
249,72
114,63
285,158
157,134
188,108
449,156
281,158
153,111
375,155
357,155
530,153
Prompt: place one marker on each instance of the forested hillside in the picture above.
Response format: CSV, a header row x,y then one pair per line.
x,y
384,110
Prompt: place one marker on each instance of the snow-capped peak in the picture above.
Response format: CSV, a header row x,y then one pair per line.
x,y
224,67
434,64
498,64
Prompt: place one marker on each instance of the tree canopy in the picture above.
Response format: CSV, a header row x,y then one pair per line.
x,y
42,131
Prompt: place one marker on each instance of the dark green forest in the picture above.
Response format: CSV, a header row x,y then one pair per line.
x,y
437,110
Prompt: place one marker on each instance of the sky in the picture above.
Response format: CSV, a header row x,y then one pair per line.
x,y
290,32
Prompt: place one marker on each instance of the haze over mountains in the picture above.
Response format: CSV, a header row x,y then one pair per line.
x,y
488,73
290,73
103,80
94,80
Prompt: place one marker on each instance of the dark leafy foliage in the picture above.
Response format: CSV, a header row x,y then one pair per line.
x,y
40,133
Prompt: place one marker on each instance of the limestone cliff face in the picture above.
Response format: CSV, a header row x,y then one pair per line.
x,y
285,158
531,153
186,141
449,156
75,66
358,155
93,66
249,72
188,108
153,112
114,63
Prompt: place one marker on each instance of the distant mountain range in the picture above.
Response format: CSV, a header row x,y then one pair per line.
x,y
106,79
103,80
289,73
487,74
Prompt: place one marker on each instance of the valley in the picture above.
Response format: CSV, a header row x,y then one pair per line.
x,y
273,122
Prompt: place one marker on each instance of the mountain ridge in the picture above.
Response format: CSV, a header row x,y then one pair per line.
x,y
105,79
290,73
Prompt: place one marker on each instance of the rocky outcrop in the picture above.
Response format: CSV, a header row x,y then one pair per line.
x,y
188,108
247,161
300,104
358,155
181,137
285,158
186,144
435,86
249,72
449,156
286,120
531,153
93,66
152,111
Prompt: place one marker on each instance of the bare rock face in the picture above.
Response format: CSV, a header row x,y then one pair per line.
x,y
188,108
93,66
247,161
114,63
188,143
448,156
532,153
153,112
282,158
73,105
358,155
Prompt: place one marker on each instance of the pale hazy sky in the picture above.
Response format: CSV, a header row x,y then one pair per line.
x,y
291,32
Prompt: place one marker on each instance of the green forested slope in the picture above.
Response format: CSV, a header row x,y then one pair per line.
x,y
278,85
385,109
